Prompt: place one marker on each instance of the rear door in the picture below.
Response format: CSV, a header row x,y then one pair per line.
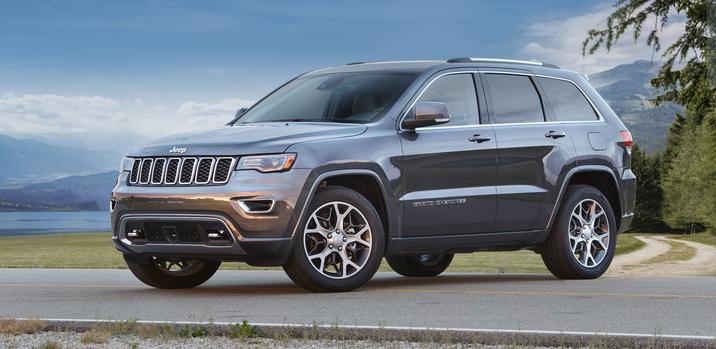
x,y
449,170
532,150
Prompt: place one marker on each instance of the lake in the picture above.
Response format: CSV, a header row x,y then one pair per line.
x,y
24,223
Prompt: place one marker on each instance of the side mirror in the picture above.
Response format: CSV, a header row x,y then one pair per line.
x,y
237,115
426,114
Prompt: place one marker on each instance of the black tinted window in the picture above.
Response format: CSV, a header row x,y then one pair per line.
x,y
514,99
457,91
567,100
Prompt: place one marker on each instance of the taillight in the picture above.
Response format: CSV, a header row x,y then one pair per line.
x,y
626,139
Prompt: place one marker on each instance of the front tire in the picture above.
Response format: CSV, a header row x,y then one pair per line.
x,y
341,244
583,239
171,273
424,265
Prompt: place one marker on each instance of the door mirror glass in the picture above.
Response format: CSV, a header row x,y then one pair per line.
x,y
427,114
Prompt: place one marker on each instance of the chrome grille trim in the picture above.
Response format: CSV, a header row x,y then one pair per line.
x,y
232,162
172,180
199,168
159,172
145,171
134,175
164,171
193,170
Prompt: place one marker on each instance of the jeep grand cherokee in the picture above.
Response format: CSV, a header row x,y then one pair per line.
x,y
411,161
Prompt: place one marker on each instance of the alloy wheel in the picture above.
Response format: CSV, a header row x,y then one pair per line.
x,y
337,240
589,233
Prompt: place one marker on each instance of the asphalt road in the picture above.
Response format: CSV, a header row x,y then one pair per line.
x,y
669,305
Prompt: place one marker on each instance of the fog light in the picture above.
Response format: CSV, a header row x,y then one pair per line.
x,y
135,233
216,234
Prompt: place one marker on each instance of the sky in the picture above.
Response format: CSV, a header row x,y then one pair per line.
x,y
97,73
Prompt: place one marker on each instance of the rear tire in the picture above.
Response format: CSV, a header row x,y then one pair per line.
x,y
583,239
340,245
161,272
424,265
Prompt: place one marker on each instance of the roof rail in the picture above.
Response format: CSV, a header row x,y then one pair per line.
x,y
354,63
498,60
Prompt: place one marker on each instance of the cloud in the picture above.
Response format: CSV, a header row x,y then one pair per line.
x,y
560,42
97,117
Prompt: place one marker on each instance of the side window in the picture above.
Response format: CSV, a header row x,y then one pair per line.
x,y
514,99
567,100
457,91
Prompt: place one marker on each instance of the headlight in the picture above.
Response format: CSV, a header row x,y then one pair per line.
x,y
126,165
267,163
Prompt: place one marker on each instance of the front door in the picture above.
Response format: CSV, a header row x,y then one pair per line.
x,y
449,170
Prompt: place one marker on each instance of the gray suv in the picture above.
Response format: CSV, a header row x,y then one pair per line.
x,y
412,161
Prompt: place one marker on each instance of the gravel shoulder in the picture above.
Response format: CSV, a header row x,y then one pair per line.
x,y
73,340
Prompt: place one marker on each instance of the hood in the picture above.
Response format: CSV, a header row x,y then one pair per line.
x,y
245,139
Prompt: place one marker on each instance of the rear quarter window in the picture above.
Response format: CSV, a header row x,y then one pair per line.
x,y
568,102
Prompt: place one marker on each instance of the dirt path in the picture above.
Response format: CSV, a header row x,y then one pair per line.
x,y
634,263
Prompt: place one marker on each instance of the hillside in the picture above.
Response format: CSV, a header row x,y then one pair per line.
x,y
85,193
627,89
31,161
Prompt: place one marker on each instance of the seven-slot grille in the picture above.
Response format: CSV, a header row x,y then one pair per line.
x,y
181,171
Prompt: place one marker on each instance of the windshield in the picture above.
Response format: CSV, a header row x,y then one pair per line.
x,y
340,97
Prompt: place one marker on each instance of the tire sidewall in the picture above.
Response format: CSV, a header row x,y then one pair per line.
x,y
577,195
299,259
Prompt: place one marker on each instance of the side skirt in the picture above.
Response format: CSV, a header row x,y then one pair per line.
x,y
508,241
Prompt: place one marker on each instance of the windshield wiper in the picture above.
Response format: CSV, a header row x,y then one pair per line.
x,y
298,120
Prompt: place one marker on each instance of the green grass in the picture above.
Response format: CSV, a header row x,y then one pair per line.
x,y
628,243
704,238
679,252
85,250
95,250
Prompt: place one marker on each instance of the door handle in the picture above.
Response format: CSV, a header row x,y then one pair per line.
x,y
478,138
555,134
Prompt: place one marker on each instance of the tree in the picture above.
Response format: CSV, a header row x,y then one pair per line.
x,y
691,85
647,213
687,77
690,183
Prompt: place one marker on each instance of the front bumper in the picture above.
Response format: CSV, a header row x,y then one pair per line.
x,y
256,238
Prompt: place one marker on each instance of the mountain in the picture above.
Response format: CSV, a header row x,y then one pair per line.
x,y
85,193
627,89
31,161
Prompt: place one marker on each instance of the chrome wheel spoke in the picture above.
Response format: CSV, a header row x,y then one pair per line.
x,y
358,238
593,219
579,218
601,244
341,217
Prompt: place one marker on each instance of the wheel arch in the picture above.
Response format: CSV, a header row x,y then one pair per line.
x,y
600,177
364,181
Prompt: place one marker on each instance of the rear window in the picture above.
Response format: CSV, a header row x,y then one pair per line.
x,y
568,102
514,99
